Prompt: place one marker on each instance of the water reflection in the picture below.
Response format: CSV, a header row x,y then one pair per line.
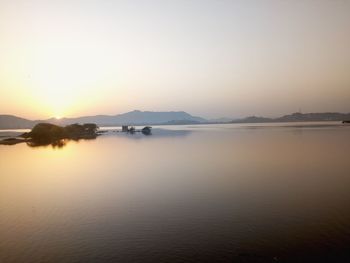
x,y
55,144
214,195
156,133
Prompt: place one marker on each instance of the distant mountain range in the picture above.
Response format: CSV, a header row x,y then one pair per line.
x,y
170,118
298,117
130,118
13,122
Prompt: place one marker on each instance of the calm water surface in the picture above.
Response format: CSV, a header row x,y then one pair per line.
x,y
210,193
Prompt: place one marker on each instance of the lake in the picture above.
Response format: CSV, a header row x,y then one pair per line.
x,y
201,193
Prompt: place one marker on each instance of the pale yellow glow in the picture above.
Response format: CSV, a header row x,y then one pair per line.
x,y
62,76
232,58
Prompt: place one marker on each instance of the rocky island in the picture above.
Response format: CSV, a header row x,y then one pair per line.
x,y
47,133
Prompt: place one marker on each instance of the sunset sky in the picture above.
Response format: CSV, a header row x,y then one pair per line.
x,y
209,58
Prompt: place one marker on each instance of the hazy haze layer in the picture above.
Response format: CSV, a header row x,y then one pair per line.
x,y
210,58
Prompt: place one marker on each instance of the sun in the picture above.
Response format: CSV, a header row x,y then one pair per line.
x,y
58,117
62,77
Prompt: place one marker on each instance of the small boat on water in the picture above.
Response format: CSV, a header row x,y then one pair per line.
x,y
146,130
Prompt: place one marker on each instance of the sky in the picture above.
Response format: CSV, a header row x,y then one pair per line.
x,y
209,58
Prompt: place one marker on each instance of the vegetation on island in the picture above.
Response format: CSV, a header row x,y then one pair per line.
x,y
51,134
47,133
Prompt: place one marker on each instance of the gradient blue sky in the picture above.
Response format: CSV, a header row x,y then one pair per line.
x,y
209,58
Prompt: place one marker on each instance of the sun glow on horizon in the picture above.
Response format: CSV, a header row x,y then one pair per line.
x,y
63,78
238,59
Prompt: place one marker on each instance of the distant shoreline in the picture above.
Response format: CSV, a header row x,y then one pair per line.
x,y
203,123
144,118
